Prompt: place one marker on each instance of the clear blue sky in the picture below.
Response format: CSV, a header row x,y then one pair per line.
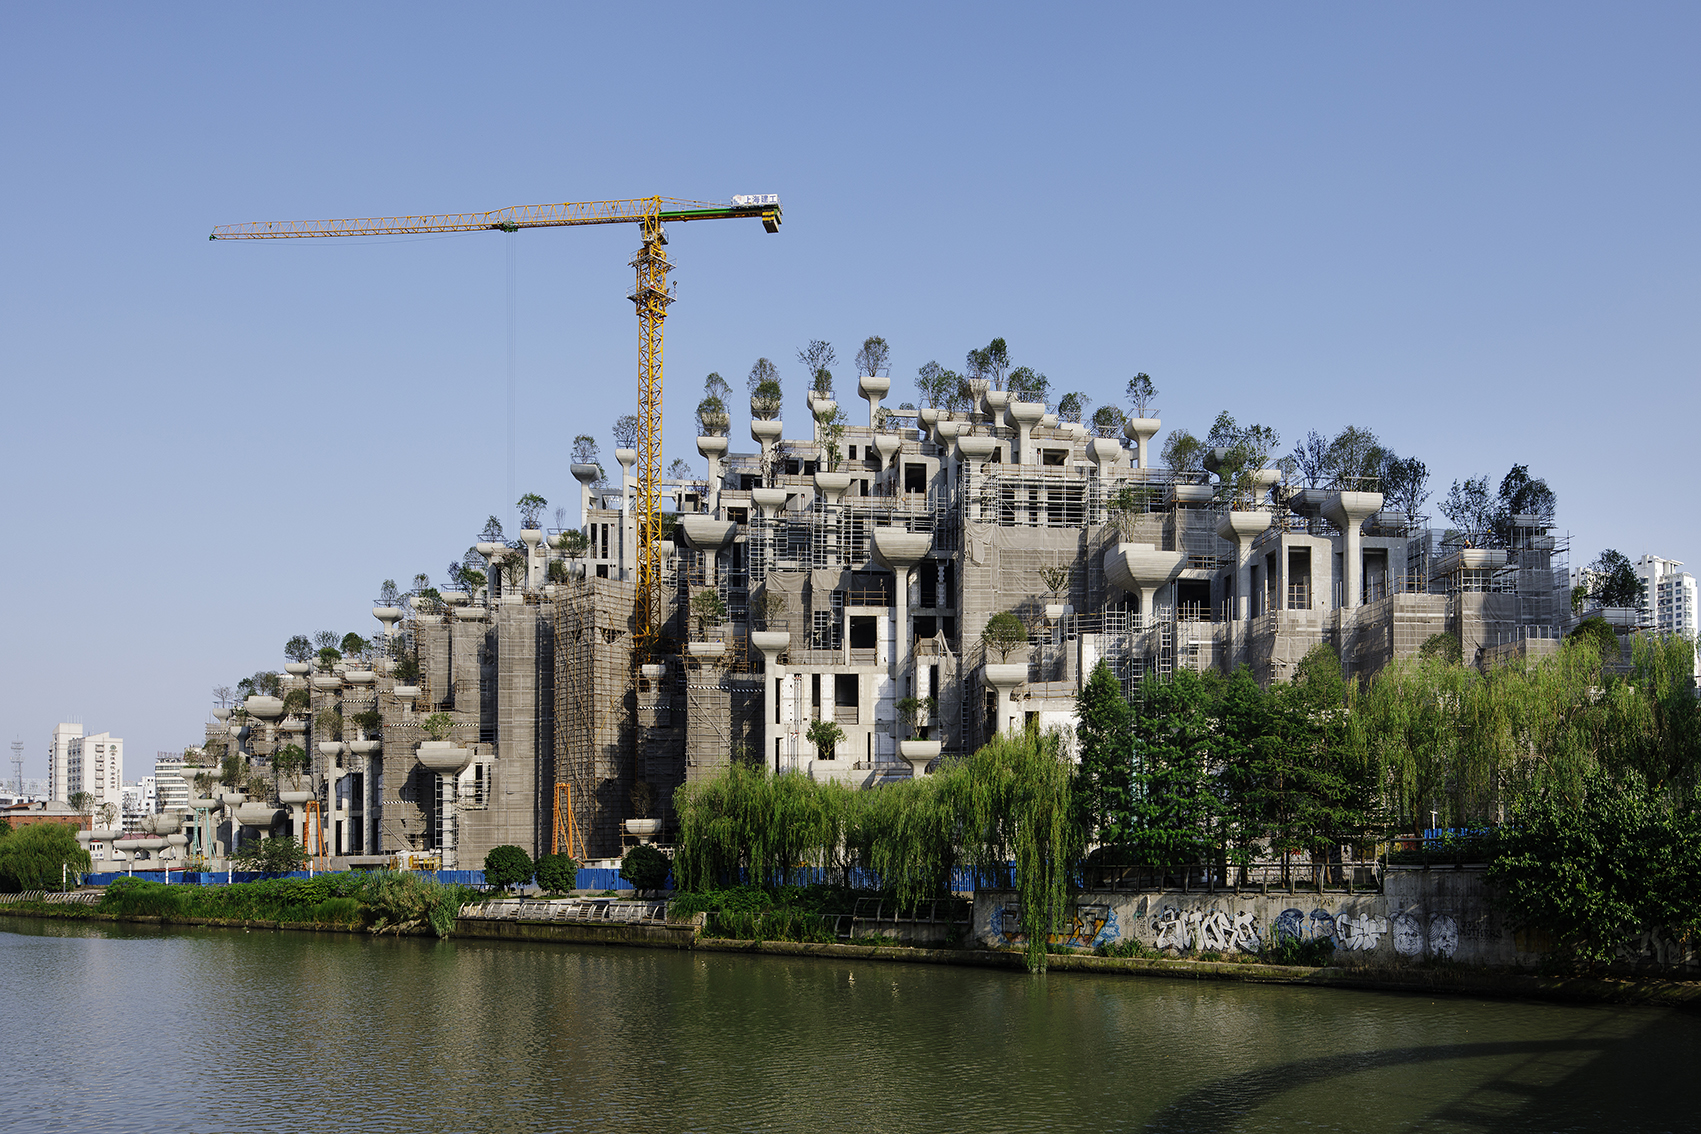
x,y
1471,228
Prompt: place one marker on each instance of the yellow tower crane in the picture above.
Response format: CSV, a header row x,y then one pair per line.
x,y
650,295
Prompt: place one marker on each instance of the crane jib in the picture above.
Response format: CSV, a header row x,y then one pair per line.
x,y
508,220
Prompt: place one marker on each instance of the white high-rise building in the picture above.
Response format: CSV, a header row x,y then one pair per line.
x,y
171,793
59,760
1669,599
94,764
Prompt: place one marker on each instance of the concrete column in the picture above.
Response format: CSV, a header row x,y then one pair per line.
x,y
712,450
873,388
1240,528
1003,678
1024,416
1141,430
899,551
1348,511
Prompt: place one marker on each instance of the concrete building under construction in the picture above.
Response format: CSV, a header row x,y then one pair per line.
x,y
850,576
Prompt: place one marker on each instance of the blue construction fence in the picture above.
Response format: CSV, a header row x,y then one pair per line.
x,y
224,877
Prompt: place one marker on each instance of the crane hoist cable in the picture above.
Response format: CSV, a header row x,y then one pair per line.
x,y
650,296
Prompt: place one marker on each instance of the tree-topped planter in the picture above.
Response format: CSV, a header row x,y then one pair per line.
x,y
298,669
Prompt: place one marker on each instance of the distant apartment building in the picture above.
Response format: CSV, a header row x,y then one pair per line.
x,y
171,793
139,800
1669,599
94,764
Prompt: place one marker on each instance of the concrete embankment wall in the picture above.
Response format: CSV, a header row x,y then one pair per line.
x,y
1420,916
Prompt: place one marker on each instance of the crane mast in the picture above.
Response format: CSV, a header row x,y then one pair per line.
x,y
650,296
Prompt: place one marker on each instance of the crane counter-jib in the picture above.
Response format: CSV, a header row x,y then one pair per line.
x,y
630,211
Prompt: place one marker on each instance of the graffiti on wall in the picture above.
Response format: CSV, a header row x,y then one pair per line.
x,y
1084,926
1211,930
1412,937
1359,932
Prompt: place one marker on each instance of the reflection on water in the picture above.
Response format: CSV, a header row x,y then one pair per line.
x,y
222,1030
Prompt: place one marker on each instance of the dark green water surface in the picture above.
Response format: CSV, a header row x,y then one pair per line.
x,y
120,1029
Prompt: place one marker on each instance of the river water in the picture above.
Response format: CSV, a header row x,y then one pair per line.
x,y
120,1028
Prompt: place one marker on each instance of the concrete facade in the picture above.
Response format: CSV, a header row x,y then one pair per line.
x,y
843,593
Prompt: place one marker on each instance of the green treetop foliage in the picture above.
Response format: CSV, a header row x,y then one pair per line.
x,y
1104,792
1141,393
530,507
35,857
299,649
817,359
557,873
507,866
1004,634
1613,581
873,357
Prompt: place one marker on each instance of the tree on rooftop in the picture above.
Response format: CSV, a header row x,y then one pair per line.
x,y
1004,634
1405,483
299,649
492,532
1141,393
1613,581
1354,461
625,431
1311,459
1470,508
679,470
1073,406
817,358
1107,421
1026,385
530,507
1183,452
873,357
990,363
766,394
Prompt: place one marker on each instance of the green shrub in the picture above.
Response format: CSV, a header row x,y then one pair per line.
x,y
645,867
557,873
1128,947
1293,951
338,911
507,866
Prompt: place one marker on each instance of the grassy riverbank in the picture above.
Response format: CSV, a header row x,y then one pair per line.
x,y
270,906
379,902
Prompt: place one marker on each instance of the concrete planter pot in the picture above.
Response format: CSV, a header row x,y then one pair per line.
x,y
471,613
705,533
770,641
1192,493
927,417
873,386
365,747
712,445
1056,610
771,501
360,677
266,708
257,814
972,447
705,649
766,431
919,754
1104,450
294,798
330,749
832,485
887,445
444,757
298,668
406,692
1004,676
644,830
327,681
